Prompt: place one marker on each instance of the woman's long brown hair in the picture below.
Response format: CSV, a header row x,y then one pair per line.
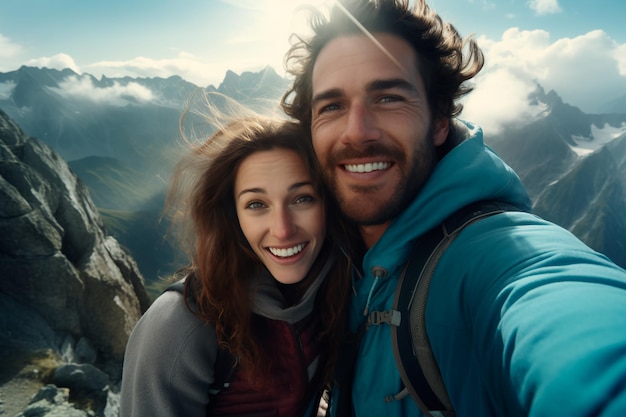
x,y
222,263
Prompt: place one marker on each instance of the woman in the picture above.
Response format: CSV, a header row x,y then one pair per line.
x,y
267,283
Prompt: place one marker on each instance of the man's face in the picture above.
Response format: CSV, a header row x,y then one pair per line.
x,y
371,125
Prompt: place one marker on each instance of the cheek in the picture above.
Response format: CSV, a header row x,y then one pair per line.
x,y
319,222
317,146
241,219
322,141
413,136
248,227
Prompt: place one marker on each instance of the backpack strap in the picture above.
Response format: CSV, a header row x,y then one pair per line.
x,y
416,362
341,398
224,367
223,371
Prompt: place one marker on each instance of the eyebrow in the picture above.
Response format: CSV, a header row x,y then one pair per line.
x,y
326,95
376,85
262,190
400,83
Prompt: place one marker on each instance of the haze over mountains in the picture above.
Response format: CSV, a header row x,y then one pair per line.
x,y
121,138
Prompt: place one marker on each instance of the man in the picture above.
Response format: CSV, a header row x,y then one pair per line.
x,y
522,317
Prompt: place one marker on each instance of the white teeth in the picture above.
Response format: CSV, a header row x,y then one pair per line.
x,y
369,167
285,253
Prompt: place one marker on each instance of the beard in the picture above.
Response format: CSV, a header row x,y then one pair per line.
x,y
363,204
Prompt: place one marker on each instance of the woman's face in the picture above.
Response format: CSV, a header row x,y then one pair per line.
x,y
280,213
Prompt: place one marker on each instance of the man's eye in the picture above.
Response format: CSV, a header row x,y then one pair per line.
x,y
329,107
390,99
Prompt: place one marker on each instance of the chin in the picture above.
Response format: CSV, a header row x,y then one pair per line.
x,y
288,279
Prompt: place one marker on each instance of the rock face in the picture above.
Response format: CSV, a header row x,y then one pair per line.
x,y
66,287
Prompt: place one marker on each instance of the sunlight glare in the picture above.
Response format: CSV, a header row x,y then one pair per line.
x,y
296,13
279,19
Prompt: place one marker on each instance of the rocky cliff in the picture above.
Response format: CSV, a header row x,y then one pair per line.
x,y
69,294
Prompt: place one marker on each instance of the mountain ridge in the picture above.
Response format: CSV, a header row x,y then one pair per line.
x,y
143,139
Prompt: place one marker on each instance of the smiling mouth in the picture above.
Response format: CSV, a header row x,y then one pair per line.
x,y
368,167
287,252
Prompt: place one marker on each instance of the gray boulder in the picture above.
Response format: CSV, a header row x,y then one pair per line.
x,y
67,288
51,401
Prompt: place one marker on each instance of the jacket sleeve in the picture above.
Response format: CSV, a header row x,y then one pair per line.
x,y
169,362
549,322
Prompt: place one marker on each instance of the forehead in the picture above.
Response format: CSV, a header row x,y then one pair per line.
x,y
354,59
273,165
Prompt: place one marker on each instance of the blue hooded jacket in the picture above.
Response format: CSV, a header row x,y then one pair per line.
x,y
523,318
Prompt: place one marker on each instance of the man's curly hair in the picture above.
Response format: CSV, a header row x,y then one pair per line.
x,y
445,60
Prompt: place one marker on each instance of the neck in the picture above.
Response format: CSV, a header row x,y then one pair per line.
x,y
371,234
292,293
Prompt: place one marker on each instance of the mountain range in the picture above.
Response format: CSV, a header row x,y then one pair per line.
x,y
121,137
574,167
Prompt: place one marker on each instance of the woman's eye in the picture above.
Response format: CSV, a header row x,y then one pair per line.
x,y
255,205
304,199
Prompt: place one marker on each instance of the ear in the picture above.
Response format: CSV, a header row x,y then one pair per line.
x,y
441,128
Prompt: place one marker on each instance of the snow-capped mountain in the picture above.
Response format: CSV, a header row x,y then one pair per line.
x,y
574,166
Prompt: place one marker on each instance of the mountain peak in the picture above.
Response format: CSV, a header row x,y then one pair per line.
x,y
539,95
265,83
552,98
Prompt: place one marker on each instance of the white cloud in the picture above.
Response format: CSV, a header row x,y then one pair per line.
x,y
501,99
260,42
542,7
587,71
8,48
58,61
620,57
185,65
269,25
115,95
6,89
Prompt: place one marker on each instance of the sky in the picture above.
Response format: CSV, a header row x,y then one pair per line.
x,y
575,47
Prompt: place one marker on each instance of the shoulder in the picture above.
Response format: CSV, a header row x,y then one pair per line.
x,y
518,295
169,334
170,359
500,258
513,237
170,325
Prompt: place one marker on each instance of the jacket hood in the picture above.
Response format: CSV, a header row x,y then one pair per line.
x,y
470,172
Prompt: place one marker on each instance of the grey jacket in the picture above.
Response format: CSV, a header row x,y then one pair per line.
x,y
170,356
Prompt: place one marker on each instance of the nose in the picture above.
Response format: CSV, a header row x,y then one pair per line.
x,y
283,226
360,125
